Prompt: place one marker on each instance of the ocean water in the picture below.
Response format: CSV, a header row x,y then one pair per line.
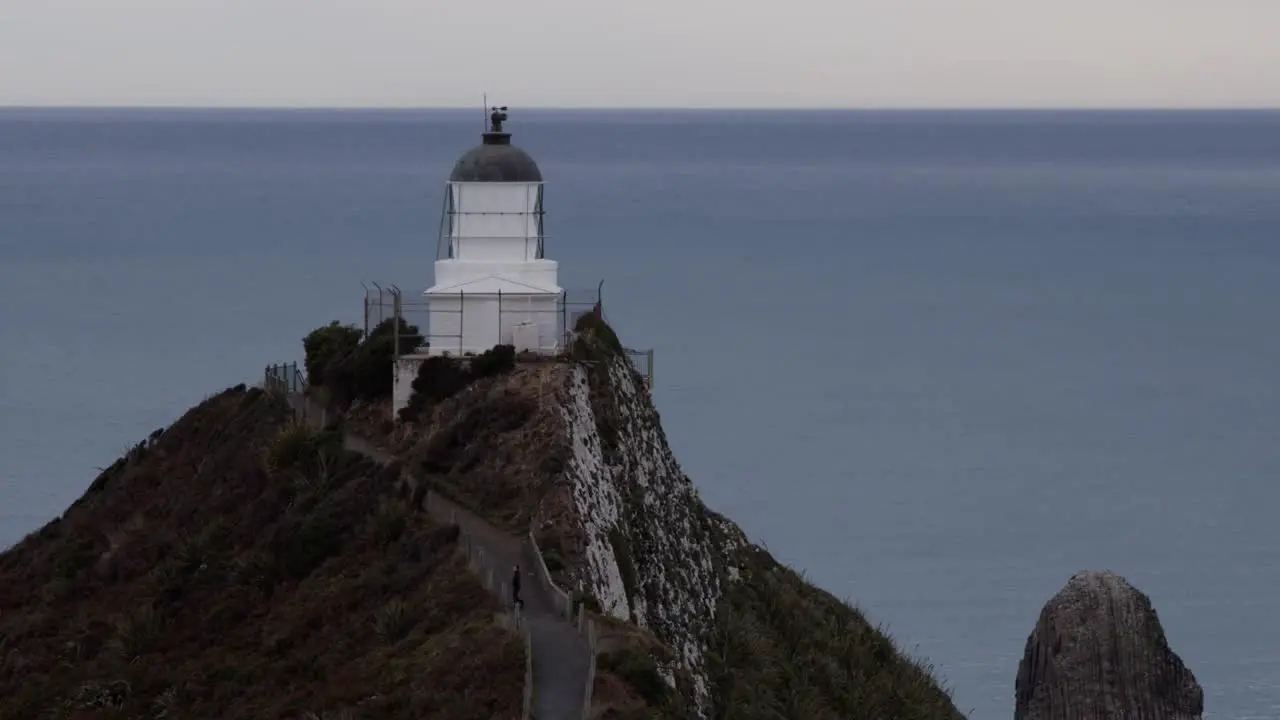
x,y
940,361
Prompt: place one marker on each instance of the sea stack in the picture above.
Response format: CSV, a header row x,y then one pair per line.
x,y
1098,652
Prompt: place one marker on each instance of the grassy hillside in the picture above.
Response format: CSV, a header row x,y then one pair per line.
x,y
784,648
778,647
238,567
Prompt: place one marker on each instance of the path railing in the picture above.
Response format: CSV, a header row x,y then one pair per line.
x,y
585,624
286,378
479,563
564,605
589,631
598,640
289,380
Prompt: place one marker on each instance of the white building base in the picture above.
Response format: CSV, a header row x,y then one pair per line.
x,y
405,372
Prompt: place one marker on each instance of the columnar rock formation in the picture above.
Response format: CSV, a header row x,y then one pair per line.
x,y
1098,652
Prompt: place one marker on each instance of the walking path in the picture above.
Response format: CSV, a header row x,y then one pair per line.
x,y
561,656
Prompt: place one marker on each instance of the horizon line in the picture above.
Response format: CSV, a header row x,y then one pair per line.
x,y
661,108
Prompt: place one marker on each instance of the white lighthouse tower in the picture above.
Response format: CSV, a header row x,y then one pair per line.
x,y
493,285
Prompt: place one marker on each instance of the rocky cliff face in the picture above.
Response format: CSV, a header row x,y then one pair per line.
x,y
574,451
1098,652
236,518
652,553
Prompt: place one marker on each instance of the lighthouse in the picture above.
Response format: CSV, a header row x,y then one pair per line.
x,y
493,282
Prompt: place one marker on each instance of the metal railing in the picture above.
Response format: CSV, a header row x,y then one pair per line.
x,y
590,633
290,380
285,378
642,363
386,303
383,303
584,624
479,564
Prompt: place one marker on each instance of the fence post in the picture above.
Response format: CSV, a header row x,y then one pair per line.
x,y
395,310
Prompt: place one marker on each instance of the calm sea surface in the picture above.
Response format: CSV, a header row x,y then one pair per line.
x,y
940,361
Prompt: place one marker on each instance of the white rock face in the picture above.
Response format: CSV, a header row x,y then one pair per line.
x,y
643,518
595,498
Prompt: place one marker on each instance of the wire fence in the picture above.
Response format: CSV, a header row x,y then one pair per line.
x,y
641,363
462,324
379,304
286,378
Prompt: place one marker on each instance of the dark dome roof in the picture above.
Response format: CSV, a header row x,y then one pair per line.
x,y
497,160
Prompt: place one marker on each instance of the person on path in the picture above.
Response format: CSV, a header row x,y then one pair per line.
x,y
515,588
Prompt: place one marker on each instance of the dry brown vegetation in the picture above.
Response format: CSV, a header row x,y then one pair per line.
x,y
495,446
780,647
784,648
238,567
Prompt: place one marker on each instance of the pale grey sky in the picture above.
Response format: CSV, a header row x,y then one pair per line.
x,y
604,53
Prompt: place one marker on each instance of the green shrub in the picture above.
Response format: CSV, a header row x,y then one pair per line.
x,y
199,551
79,553
591,326
371,374
316,539
638,670
389,522
352,369
318,471
553,561
258,569
325,344
497,360
110,697
585,599
440,378
290,445
330,715
137,632
311,456
392,621
787,649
